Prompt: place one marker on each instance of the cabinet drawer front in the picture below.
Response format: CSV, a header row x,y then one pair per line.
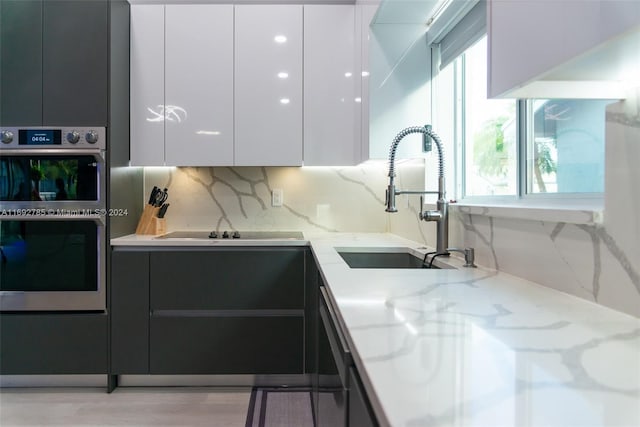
x,y
53,343
227,280
240,345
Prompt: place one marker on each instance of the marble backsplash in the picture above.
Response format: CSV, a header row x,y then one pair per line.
x,y
239,198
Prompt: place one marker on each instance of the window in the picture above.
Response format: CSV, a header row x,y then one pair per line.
x,y
565,146
488,131
524,148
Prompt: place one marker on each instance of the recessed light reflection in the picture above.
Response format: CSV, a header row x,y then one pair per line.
x,y
283,75
284,101
365,73
412,329
280,38
348,74
208,132
358,99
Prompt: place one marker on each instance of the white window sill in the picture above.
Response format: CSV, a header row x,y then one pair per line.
x,y
578,211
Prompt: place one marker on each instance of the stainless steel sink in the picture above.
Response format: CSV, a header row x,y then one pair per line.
x,y
364,257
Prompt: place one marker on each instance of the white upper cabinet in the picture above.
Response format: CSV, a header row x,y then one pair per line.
x,y
222,84
199,85
364,15
331,86
181,85
268,85
147,85
563,49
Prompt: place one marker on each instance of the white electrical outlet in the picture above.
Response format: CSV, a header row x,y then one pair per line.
x,y
277,197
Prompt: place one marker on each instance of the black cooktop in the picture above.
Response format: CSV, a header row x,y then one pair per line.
x,y
244,235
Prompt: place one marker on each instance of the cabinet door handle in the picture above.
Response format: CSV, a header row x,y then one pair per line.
x,y
337,342
334,320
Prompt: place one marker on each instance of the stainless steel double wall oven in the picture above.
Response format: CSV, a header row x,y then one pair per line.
x,y
52,219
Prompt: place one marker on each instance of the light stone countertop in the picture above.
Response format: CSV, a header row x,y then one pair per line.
x,y
154,241
473,347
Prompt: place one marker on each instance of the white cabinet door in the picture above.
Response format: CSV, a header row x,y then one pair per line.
x,y
268,85
529,37
331,86
364,15
147,85
199,85
534,46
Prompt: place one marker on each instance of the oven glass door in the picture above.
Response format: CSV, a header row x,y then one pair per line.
x,y
51,176
52,264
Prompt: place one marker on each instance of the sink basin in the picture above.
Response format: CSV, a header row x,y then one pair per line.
x,y
383,258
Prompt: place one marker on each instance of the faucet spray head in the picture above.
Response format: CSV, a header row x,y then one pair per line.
x,y
390,196
426,140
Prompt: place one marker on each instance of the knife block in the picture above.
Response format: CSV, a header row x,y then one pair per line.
x,y
149,222
159,226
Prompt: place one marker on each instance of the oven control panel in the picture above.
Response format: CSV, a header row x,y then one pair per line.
x,y
53,137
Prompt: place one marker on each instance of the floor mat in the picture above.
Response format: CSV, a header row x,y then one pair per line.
x,y
280,407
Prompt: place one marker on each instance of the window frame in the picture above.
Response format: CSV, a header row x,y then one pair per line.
x,y
524,127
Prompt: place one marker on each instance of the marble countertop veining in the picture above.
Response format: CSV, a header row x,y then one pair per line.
x,y
474,347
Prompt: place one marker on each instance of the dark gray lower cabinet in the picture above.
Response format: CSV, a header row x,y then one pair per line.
x,y
56,343
339,396
330,392
129,308
360,411
227,279
238,310
226,345
311,287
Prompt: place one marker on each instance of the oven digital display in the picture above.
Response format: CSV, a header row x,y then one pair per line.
x,y
40,137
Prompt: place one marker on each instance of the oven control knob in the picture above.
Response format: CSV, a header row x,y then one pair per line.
x,y
91,137
6,137
225,235
73,137
236,235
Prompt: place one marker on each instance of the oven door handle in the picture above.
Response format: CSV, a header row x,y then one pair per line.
x,y
97,218
56,152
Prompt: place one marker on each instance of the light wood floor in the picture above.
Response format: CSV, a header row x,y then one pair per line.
x,y
126,406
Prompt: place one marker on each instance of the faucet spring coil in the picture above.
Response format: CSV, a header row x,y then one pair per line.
x,y
408,131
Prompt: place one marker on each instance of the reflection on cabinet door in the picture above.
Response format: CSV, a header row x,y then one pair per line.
x,y
199,85
147,85
330,83
268,85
